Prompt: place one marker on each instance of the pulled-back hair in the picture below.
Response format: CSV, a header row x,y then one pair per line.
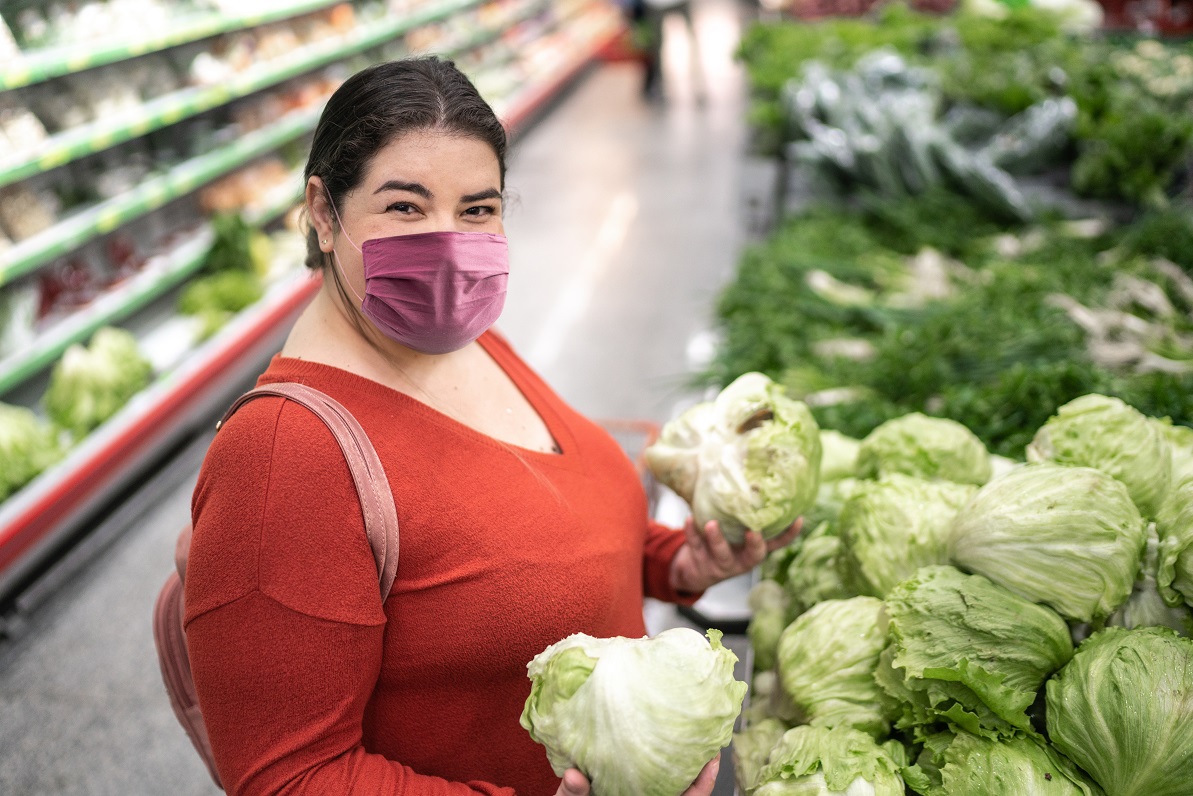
x,y
383,102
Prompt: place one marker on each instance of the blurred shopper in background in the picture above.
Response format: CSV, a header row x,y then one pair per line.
x,y
649,26
521,522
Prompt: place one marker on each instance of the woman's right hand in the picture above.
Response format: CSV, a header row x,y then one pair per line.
x,y
576,784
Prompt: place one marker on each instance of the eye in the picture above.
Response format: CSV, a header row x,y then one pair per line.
x,y
481,211
402,207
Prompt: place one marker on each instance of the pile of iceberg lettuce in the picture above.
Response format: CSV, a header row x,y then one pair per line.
x,y
956,623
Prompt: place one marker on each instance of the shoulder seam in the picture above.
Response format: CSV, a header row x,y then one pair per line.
x,y
266,595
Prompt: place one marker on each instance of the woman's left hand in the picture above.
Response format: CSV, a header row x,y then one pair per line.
x,y
707,559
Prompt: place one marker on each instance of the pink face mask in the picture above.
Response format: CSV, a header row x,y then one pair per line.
x,y
434,292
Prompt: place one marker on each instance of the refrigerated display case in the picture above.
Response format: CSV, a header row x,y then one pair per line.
x,y
119,142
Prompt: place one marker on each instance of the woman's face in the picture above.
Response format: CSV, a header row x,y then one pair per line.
x,y
422,181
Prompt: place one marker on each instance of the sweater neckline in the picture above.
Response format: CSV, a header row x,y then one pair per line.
x,y
524,379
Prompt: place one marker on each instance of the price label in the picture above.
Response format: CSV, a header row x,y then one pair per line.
x,y
156,195
108,220
16,76
78,61
103,140
173,114
54,158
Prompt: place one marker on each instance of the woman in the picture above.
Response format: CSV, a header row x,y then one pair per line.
x,y
521,522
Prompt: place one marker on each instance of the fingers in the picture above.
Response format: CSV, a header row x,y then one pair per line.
x,y
787,537
706,779
574,784
754,548
718,549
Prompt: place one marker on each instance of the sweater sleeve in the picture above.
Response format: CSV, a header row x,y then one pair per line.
x,y
662,543
285,626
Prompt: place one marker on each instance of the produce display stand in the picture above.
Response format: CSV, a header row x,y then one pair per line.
x,y
56,510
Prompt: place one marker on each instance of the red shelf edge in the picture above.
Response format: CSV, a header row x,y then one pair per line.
x,y
526,108
99,470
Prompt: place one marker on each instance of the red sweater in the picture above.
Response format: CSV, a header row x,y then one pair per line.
x,y
308,683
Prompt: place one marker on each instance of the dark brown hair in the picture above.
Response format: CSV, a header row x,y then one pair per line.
x,y
382,102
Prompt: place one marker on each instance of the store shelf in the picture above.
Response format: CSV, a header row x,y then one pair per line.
x,y
491,33
37,519
278,202
40,65
172,108
100,219
159,276
518,109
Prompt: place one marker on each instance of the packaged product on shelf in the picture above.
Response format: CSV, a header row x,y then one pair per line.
x,y
57,106
61,24
402,7
30,28
19,303
65,286
8,44
120,170
342,17
244,188
24,212
274,41
108,94
427,38
123,256
19,128
151,76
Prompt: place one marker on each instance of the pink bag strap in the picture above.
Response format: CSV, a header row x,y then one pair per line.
x,y
376,499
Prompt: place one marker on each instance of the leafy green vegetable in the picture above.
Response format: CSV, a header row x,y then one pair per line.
x,y
838,456
818,761
637,716
1120,710
233,246
925,447
1107,434
750,459
814,573
27,446
1174,572
769,606
967,651
827,659
1180,442
89,385
1146,606
1066,537
892,527
217,297
977,766
751,750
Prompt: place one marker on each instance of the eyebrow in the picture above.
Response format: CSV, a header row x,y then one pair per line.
x,y
419,189
411,187
488,193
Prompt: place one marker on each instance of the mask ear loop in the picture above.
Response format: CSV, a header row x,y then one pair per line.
x,y
336,257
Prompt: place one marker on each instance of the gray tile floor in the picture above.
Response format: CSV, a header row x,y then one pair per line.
x,y
629,217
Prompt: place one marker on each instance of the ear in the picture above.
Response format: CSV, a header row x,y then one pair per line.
x,y
320,212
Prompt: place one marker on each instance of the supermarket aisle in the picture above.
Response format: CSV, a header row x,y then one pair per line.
x,y
629,218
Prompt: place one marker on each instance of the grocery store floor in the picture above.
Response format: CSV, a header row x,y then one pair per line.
x,y
629,216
